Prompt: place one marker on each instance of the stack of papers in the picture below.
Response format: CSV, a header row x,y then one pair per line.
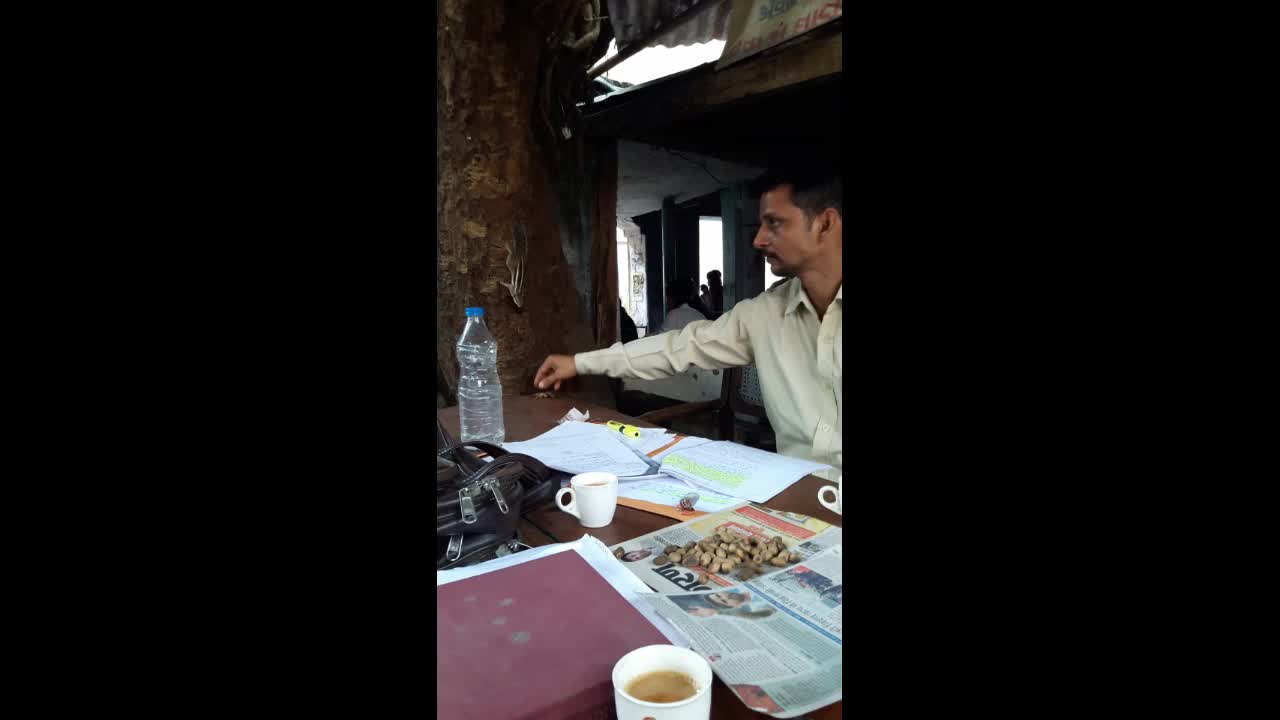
x,y
579,447
737,470
660,467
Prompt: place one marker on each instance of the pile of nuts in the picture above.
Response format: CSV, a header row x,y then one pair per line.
x,y
726,552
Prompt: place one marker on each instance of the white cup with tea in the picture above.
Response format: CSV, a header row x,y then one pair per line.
x,y
836,503
593,498
663,682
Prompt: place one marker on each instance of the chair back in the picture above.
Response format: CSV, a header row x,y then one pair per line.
x,y
740,395
741,392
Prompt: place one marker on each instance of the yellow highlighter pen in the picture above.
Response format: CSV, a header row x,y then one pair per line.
x,y
629,430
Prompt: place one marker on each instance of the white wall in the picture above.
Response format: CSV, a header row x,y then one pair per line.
x,y
710,248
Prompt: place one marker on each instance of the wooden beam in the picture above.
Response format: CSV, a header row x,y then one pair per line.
x,y
818,58
815,59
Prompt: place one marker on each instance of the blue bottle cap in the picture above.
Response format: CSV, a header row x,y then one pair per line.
x,y
475,312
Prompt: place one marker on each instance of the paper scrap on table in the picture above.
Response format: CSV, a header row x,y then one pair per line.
x,y
664,490
579,447
575,416
738,470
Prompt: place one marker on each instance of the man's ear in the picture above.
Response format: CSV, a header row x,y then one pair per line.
x,y
827,221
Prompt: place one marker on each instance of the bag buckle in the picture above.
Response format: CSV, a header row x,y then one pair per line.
x,y
468,507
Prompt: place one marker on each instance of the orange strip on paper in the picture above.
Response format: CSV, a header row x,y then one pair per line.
x,y
666,510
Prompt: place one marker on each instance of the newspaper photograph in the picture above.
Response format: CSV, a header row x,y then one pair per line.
x,y
776,641
800,534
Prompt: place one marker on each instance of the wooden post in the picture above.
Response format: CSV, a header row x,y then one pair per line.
x,y
730,228
687,244
604,245
668,246
653,264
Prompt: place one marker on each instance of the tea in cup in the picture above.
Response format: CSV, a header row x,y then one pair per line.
x,y
662,681
836,503
593,498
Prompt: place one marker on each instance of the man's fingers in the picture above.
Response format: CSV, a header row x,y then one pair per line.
x,y
545,374
553,371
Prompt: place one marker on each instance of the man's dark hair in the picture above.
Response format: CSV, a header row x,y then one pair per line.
x,y
812,189
682,289
716,290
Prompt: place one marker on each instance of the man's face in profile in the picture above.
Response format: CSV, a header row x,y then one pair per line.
x,y
786,237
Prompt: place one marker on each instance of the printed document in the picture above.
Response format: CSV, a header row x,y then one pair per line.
x,y
737,470
578,447
666,490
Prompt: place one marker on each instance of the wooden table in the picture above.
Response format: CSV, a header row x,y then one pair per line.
x,y
527,417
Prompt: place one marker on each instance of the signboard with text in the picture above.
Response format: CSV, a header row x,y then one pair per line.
x,y
756,25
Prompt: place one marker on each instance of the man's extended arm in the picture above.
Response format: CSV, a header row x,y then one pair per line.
x,y
720,344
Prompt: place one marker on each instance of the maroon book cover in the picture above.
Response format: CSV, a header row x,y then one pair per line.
x,y
537,641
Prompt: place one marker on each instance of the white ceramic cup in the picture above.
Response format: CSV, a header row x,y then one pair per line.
x,y
593,497
662,657
836,503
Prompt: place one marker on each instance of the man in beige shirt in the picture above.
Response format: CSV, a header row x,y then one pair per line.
x,y
792,333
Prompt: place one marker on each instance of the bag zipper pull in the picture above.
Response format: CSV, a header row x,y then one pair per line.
x,y
455,548
468,507
497,495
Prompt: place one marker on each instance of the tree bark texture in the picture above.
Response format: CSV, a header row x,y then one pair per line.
x,y
493,176
604,245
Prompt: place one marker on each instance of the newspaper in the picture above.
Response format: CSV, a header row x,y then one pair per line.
x,y
776,641
800,533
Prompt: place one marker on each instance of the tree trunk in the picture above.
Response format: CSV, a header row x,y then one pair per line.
x,y
604,242
493,176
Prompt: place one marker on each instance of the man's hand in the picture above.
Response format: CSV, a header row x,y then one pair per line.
x,y
555,368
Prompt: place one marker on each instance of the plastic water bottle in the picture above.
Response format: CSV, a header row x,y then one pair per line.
x,y
479,391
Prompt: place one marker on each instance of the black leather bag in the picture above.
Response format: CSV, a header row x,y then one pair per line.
x,y
478,501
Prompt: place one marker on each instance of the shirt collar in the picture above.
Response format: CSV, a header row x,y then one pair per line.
x,y
797,296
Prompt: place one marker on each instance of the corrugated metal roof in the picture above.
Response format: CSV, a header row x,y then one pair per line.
x,y
634,19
